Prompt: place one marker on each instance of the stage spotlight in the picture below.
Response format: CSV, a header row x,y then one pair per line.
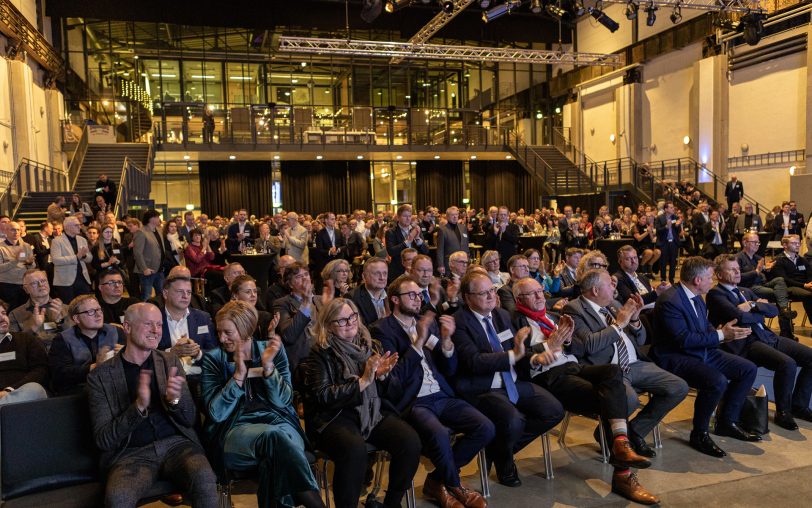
x,y
603,19
651,14
555,11
676,16
395,5
447,6
500,10
631,10
371,9
753,27
535,6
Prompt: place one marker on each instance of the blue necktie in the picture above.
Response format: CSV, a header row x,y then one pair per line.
x,y
700,310
496,346
426,298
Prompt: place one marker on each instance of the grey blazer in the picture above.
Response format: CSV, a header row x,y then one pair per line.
x,y
146,251
64,260
296,245
448,244
114,416
592,341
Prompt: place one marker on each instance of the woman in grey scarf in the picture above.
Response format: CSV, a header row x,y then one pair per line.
x,y
345,380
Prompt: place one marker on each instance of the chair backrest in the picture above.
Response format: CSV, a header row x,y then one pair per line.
x,y
46,444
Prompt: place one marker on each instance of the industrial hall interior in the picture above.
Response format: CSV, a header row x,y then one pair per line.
x,y
405,253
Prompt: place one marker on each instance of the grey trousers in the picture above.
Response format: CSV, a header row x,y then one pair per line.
x,y
666,389
175,459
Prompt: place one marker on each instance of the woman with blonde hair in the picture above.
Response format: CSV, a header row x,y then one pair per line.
x,y
247,396
336,274
106,251
490,261
344,380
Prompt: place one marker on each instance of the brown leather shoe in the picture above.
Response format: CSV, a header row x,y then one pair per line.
x,y
469,498
173,499
437,491
629,487
623,455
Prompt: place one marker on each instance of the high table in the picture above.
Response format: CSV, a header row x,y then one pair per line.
x,y
764,237
257,266
609,248
532,242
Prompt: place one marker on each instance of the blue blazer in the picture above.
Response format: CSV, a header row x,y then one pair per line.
x,y
478,362
661,225
232,242
395,244
196,319
680,330
723,307
406,378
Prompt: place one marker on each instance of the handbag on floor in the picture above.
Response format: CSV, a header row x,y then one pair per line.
x,y
754,415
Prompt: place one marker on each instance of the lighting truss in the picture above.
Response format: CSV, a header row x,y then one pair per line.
x,y
435,24
409,51
742,6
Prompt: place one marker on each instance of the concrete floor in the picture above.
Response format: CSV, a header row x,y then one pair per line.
x,y
772,473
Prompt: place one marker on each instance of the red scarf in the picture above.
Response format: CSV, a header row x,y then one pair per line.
x,y
539,316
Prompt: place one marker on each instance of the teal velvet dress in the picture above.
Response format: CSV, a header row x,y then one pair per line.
x,y
256,425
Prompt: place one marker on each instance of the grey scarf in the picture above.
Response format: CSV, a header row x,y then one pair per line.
x,y
353,356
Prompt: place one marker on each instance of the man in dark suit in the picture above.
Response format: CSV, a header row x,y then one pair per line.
x,y
519,268
796,272
451,238
491,354
296,313
503,237
569,281
700,217
747,221
434,297
239,232
564,227
714,236
40,241
630,283
419,390
188,226
728,301
400,236
687,345
583,389
143,418
370,296
278,289
734,191
428,224
222,295
668,236
607,332
186,331
795,214
786,222
330,244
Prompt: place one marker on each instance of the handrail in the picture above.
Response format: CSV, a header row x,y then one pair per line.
x,y
564,143
763,159
78,157
513,141
30,176
134,182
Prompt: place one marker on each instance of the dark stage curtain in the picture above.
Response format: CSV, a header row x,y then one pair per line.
x,y
316,187
439,183
503,183
226,186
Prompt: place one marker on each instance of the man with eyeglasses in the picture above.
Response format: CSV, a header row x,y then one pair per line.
x,y
420,391
458,263
490,352
40,315
519,268
297,313
434,297
451,237
402,235
78,349
582,389
370,295
796,271
111,296
610,333
754,269
186,332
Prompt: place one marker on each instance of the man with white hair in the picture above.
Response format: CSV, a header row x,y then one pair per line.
x,y
295,239
70,255
451,237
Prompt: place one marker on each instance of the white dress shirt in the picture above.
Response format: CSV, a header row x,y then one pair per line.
x,y
497,376
626,340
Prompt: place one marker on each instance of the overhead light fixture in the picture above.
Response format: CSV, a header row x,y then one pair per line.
x,y
792,171
631,10
359,157
555,10
186,157
603,19
508,157
473,157
535,6
232,157
398,157
319,157
395,5
676,16
651,14
446,5
500,10
753,23
686,140
436,156
371,9
276,157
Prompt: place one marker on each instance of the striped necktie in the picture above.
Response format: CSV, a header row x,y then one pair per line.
x,y
622,351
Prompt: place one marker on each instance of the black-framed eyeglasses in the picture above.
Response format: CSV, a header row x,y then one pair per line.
x,y
347,321
599,265
91,312
411,295
112,283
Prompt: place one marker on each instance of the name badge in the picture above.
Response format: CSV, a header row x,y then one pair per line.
x,y
505,335
49,325
121,318
432,341
670,240
255,372
110,354
802,268
116,251
202,329
22,255
7,357
464,235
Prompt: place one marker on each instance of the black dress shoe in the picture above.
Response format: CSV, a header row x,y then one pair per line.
x,y
640,446
788,313
733,430
701,441
510,478
785,420
803,413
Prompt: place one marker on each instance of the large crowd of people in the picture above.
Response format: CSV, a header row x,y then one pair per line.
x,y
413,332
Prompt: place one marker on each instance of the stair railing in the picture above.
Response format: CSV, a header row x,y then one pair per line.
x,y
561,140
532,161
135,184
30,176
78,158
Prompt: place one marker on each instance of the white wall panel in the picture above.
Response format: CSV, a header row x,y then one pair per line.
x,y
600,121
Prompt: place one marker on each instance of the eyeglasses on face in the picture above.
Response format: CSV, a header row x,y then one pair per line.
x,y
537,294
112,283
488,292
347,321
411,295
91,312
598,265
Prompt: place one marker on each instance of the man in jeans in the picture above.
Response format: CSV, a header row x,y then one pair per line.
x,y
148,253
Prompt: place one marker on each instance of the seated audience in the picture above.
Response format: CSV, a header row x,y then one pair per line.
x,y
519,269
796,272
645,237
297,314
715,236
490,260
16,257
197,301
344,388
551,284
222,295
110,295
278,289
250,419
197,254
336,274
24,375
143,419
748,221
70,254
370,295
569,281
630,283
244,289
41,315
186,332
106,252
503,236
402,235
